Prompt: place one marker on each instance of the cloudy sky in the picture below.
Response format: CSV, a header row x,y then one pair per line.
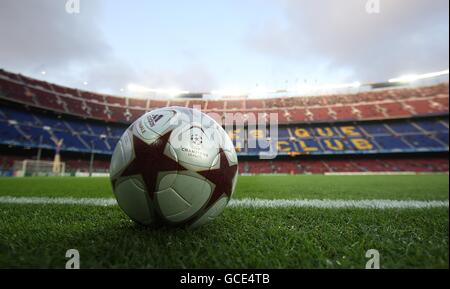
x,y
203,45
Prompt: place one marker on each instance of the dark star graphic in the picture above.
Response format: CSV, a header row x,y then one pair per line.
x,y
222,178
149,161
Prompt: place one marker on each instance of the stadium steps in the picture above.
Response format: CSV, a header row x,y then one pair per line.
x,y
419,128
383,110
327,166
37,121
444,123
356,112
3,115
433,137
332,113
107,144
90,129
71,130
21,132
87,146
61,102
409,108
33,97
86,108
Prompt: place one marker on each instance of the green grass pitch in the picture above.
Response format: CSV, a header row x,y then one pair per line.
x,y
38,235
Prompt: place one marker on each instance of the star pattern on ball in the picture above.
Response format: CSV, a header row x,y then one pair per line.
x,y
149,161
196,139
222,178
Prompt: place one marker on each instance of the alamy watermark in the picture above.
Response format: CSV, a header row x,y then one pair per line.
x,y
374,259
261,129
373,6
74,259
73,6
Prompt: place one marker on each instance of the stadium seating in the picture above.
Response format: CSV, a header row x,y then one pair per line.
x,y
363,132
27,129
303,166
33,129
358,165
376,104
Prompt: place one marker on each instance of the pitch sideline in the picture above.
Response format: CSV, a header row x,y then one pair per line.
x,y
251,203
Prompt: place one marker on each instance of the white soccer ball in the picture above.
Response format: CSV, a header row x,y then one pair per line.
x,y
175,165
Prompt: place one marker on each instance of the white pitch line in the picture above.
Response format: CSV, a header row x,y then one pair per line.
x,y
58,201
337,204
250,203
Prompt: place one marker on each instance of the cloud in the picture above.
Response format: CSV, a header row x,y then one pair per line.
x,y
406,36
41,34
111,76
194,76
336,38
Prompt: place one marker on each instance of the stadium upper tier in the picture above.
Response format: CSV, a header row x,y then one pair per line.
x,y
377,104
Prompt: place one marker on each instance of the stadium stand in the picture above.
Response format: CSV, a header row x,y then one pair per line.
x,y
382,104
359,165
384,123
19,127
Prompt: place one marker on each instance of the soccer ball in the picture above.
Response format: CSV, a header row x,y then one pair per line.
x,y
174,166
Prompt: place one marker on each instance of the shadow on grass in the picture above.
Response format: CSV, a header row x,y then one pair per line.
x,y
126,244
